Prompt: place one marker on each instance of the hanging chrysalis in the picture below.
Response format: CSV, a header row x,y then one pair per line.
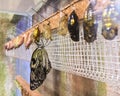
x,y
89,25
28,39
19,40
62,30
109,19
47,34
36,35
73,26
40,67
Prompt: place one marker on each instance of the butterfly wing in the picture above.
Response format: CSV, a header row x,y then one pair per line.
x,y
38,72
46,62
40,67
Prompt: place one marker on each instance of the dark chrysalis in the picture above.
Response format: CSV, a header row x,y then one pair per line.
x,y
89,25
73,26
40,66
109,26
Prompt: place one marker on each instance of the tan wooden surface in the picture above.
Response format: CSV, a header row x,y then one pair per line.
x,y
78,5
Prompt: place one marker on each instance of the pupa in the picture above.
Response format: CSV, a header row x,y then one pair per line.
x,y
73,26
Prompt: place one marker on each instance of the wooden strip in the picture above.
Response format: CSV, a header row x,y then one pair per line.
x,y
79,6
26,87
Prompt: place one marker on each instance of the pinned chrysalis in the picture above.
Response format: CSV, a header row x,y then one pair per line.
x,y
73,26
36,35
89,26
27,39
62,30
40,66
47,31
109,27
19,40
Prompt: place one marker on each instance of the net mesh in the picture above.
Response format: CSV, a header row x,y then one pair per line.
x,y
99,60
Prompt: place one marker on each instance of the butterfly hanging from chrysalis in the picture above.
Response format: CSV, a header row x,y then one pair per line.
x,y
89,25
109,19
40,64
73,26
40,67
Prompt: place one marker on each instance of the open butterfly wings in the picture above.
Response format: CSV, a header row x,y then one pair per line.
x,y
40,67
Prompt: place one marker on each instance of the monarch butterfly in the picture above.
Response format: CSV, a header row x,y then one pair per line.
x,y
40,66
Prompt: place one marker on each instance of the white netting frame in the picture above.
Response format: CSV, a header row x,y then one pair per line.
x,y
99,60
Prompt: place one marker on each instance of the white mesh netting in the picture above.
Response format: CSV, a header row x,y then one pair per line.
x,y
99,60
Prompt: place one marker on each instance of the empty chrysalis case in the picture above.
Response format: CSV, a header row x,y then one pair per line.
x,y
63,30
19,40
109,22
47,34
73,26
89,25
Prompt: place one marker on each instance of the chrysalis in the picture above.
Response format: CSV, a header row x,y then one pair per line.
x,y
62,30
47,31
89,25
36,35
109,19
27,39
19,40
73,26
40,67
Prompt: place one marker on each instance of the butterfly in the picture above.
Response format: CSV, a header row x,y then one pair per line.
x,y
40,66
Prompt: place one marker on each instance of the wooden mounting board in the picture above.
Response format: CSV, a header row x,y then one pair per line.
x,y
79,7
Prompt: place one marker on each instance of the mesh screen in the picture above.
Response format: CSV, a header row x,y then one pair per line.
x,y
99,60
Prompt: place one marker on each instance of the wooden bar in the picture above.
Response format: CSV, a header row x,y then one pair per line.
x,y
25,87
79,6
